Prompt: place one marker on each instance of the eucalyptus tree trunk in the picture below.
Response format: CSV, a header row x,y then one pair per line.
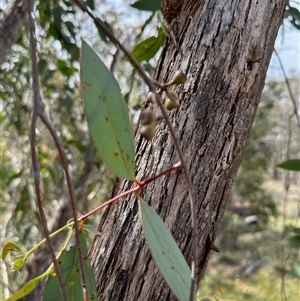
x,y
224,47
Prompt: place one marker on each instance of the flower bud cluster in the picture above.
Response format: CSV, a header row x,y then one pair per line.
x,y
147,119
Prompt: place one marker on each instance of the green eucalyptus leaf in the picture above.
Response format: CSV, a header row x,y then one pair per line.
x,y
26,289
70,272
147,49
107,114
293,165
153,5
166,253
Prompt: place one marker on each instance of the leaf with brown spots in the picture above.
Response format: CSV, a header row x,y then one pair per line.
x,y
165,252
107,114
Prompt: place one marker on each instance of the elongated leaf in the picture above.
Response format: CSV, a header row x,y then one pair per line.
x,y
166,253
152,5
293,164
147,49
26,289
107,114
69,268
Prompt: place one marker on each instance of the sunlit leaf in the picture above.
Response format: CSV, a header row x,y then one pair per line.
x,y
107,114
26,289
166,253
293,165
69,268
294,272
8,247
152,5
147,49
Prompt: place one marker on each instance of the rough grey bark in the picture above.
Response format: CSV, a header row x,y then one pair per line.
x,y
10,26
224,47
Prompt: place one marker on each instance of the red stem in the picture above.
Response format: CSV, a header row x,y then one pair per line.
x,y
137,188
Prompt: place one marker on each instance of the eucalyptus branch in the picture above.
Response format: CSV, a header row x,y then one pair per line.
x,y
38,108
32,250
82,218
64,164
138,187
71,223
157,98
289,88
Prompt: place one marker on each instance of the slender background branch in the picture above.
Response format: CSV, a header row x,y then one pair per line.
x,y
289,89
72,200
38,108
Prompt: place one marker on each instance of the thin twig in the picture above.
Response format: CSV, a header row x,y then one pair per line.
x,y
283,255
289,88
295,112
64,164
168,170
152,88
109,202
139,186
38,108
